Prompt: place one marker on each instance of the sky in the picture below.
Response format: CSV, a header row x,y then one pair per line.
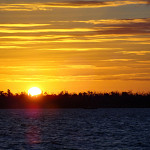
x,y
75,45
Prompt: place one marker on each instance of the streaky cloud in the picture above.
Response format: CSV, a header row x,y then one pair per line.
x,y
116,21
23,25
117,60
134,52
69,4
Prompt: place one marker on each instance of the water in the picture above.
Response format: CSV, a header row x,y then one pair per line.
x,y
75,129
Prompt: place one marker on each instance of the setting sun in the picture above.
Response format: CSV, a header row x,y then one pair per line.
x,y
34,91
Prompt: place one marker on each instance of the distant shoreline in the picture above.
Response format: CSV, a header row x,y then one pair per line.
x,y
85,100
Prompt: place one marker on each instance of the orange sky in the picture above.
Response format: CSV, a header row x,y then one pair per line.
x,y
75,45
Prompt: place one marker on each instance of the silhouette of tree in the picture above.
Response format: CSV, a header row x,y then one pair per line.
x,y
81,100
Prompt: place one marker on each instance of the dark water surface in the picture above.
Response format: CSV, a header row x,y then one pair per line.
x,y
75,129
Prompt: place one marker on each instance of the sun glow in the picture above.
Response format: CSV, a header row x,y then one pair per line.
x,y
34,91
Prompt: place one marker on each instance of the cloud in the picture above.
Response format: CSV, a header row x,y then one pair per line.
x,y
145,61
46,78
5,30
23,25
115,21
117,60
100,27
104,40
9,46
134,52
79,49
69,4
127,26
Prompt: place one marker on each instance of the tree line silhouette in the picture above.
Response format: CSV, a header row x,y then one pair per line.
x,y
87,100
